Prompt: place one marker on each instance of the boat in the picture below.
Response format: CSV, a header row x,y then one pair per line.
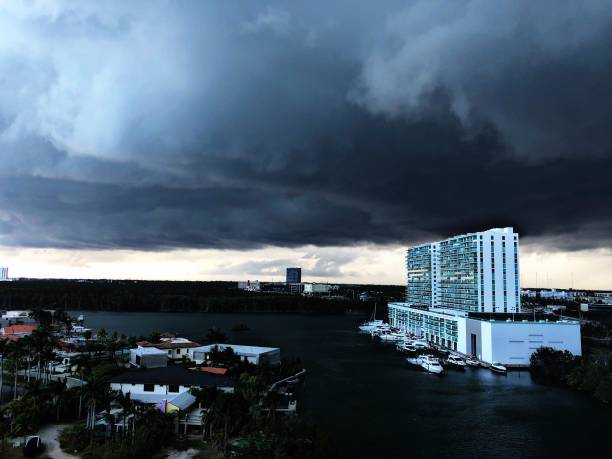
x,y
405,346
392,336
431,364
472,362
33,446
414,361
368,327
420,344
456,362
372,324
497,367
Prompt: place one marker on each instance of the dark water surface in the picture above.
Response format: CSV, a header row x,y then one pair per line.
x,y
374,406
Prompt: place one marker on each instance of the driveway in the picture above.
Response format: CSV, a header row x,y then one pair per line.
x,y
49,436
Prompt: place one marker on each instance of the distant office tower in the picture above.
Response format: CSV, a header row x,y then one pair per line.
x,y
475,272
294,275
3,274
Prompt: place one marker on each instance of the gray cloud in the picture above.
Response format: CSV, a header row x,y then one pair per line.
x,y
157,125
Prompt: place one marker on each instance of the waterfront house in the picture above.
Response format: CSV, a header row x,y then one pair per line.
x,y
175,348
15,332
148,357
154,385
252,354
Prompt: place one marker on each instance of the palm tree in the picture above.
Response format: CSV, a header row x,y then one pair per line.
x,y
97,394
57,391
127,408
83,368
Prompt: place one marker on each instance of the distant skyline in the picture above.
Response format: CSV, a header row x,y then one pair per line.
x,y
211,140
363,264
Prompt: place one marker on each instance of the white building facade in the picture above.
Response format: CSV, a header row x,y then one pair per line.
x,y
463,293
476,272
511,342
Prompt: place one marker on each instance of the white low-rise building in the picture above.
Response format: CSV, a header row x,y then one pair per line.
x,y
312,288
152,385
175,348
253,354
500,339
148,357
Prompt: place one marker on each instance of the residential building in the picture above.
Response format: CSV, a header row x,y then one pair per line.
x,y
15,332
176,348
148,357
463,293
253,354
152,385
476,272
294,275
4,273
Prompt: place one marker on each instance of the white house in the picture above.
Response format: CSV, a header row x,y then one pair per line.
x,y
148,357
175,348
253,354
154,385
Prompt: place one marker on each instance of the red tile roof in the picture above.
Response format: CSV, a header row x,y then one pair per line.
x,y
19,329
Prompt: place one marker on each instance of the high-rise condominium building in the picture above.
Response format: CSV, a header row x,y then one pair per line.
x,y
475,272
294,275
3,273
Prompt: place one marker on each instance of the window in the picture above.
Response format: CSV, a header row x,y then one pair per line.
x,y
178,351
149,387
173,388
169,352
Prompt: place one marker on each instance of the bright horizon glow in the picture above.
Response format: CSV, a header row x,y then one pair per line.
x,y
363,264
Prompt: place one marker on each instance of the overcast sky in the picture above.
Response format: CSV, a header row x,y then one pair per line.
x,y
226,140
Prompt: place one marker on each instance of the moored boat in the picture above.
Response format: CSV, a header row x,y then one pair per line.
x,y
456,362
472,362
431,364
498,368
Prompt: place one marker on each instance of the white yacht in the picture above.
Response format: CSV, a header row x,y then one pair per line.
x,y
456,361
392,337
405,346
431,364
497,367
420,344
473,362
368,327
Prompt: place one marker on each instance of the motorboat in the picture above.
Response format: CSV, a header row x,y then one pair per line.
x,y
420,344
392,336
431,364
368,327
33,446
497,367
405,347
414,361
456,362
472,362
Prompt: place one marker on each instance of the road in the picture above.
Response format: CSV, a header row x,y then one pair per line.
x,y
49,436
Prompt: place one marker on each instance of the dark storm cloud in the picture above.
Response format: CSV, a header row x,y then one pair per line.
x,y
158,125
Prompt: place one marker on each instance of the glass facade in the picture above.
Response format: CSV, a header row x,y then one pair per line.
x,y
420,275
475,272
459,271
437,328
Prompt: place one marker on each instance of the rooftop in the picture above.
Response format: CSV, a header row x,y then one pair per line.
x,y
173,375
238,348
19,329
